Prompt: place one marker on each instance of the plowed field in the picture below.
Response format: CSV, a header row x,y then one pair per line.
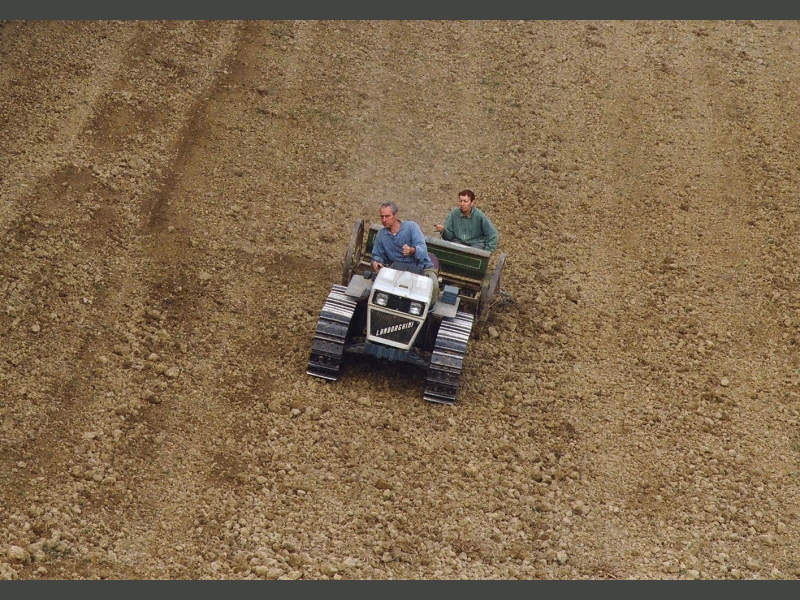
x,y
176,202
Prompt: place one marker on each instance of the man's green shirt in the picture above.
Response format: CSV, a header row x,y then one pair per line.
x,y
476,230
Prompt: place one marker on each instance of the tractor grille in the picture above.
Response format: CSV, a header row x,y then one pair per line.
x,y
392,327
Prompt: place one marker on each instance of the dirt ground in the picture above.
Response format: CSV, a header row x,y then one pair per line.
x,y
177,199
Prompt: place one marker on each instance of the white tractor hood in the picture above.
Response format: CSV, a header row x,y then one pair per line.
x,y
404,284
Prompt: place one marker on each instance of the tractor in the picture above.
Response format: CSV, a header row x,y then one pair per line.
x,y
390,315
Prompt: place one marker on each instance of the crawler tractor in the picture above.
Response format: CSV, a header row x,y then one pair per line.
x,y
390,315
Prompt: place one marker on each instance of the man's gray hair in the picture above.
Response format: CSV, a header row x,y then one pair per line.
x,y
391,205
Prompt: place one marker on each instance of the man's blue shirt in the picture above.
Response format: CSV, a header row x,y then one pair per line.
x,y
388,248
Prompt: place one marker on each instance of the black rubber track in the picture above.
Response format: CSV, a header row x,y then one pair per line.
x,y
331,335
447,360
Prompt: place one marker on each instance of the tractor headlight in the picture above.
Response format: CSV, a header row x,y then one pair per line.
x,y
415,308
381,299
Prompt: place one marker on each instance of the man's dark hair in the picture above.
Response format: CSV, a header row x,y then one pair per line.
x,y
469,193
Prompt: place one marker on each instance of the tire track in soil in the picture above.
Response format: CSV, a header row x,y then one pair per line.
x,y
172,298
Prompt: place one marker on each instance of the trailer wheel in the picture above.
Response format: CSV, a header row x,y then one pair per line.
x,y
491,290
353,256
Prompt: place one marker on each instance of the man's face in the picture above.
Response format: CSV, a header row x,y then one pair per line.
x,y
465,204
388,219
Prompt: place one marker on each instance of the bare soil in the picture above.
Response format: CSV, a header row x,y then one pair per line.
x,y
177,199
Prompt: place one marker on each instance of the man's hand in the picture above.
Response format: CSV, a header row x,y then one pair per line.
x,y
439,227
376,266
409,250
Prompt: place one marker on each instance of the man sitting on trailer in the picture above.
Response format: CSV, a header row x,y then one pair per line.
x,y
402,243
468,225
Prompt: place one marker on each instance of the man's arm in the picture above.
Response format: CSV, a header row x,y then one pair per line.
x,y
418,241
448,233
490,231
378,251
